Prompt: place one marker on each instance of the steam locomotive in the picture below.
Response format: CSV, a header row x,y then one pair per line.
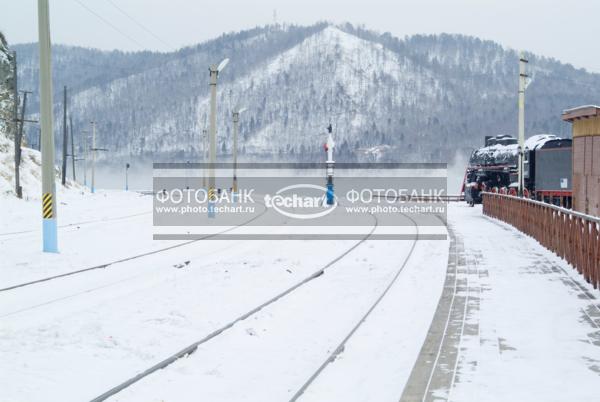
x,y
547,169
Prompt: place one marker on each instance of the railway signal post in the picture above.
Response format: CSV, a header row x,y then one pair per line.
x,y
330,163
50,240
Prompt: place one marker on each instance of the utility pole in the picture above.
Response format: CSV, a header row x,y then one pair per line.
x,y
72,147
85,156
522,83
49,203
204,158
15,125
93,155
65,138
214,73
94,149
18,140
212,151
236,121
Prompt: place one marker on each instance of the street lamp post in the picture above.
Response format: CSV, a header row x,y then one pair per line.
x,y
214,74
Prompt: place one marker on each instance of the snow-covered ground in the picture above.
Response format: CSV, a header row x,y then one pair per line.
x,y
73,338
532,327
82,334
94,229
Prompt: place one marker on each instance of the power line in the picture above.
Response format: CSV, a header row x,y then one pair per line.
x,y
140,25
109,24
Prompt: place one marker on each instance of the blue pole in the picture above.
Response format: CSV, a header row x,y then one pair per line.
x,y
330,191
50,236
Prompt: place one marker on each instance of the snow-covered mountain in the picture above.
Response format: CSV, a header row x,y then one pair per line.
x,y
412,99
30,159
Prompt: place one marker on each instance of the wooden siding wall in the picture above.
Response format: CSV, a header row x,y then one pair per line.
x,y
586,166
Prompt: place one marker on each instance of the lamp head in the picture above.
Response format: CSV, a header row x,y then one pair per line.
x,y
222,65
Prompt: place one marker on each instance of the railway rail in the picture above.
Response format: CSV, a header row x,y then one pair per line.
x,y
340,347
68,225
193,347
122,260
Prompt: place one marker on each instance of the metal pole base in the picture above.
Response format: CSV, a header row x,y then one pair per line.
x,y
50,236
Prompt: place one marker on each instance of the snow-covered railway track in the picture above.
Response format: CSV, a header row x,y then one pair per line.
x,y
6,235
194,346
126,259
340,347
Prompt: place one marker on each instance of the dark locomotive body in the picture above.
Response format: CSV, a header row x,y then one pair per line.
x,y
548,172
547,168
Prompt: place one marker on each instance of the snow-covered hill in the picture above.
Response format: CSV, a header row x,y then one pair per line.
x,y
421,98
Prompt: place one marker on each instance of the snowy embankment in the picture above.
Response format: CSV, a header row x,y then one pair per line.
x,y
30,173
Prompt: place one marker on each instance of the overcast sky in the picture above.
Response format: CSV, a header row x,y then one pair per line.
x,y
566,30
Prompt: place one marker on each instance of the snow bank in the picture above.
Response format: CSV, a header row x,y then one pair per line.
x,y
31,172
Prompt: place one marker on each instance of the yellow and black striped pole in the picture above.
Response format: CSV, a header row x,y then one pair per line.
x,y
47,206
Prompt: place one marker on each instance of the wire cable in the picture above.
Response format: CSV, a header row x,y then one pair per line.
x,y
139,24
109,24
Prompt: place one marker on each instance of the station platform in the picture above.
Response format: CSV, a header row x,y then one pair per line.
x,y
514,322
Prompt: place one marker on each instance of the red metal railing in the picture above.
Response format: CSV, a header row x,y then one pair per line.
x,y
571,235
